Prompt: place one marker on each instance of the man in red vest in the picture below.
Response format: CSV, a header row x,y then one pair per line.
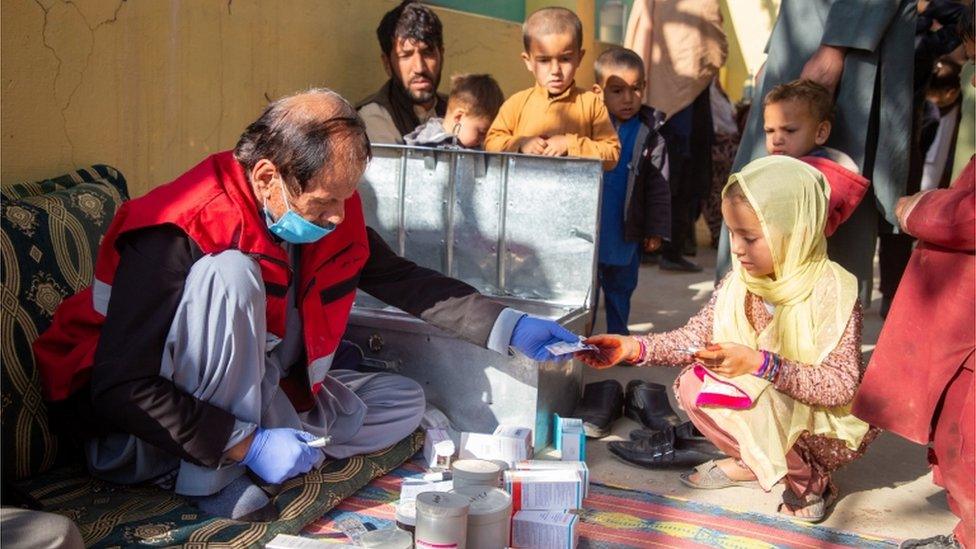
x,y
205,344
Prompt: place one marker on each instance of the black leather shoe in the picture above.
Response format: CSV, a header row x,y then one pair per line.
x,y
658,451
600,407
688,432
686,437
680,265
647,404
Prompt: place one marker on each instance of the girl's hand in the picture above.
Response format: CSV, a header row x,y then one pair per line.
x,y
730,359
611,350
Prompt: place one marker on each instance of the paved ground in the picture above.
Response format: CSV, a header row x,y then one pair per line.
x,y
889,492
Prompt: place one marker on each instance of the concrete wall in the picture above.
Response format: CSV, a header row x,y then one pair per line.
x,y
151,86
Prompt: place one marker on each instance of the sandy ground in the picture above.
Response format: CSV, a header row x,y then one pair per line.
x,y
889,492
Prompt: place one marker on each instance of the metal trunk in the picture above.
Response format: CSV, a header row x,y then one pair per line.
x,y
519,228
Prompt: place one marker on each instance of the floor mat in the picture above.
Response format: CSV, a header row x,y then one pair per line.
x,y
616,518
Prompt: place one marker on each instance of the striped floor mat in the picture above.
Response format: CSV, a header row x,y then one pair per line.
x,y
616,518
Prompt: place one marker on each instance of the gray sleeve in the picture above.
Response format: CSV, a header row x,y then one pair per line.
x,y
241,431
858,24
501,331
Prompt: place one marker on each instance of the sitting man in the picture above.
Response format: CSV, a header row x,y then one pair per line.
x,y
219,300
412,41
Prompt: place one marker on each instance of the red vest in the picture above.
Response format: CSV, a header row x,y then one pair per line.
x,y
215,206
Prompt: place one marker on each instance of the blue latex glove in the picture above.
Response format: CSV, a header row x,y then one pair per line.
x,y
277,455
532,334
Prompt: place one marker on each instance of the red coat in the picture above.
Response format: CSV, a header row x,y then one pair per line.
x,y
930,330
214,205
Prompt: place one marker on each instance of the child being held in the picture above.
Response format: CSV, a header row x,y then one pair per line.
x,y
783,330
472,105
554,117
797,120
636,203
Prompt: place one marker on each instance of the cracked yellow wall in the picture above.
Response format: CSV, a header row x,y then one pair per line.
x,y
152,86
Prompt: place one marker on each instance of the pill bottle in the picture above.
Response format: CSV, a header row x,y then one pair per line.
x,y
442,520
476,472
489,516
406,515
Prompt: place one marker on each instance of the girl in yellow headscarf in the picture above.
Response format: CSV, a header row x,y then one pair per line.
x,y
777,355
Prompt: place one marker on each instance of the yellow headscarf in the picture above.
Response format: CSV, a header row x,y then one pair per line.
x,y
813,299
813,296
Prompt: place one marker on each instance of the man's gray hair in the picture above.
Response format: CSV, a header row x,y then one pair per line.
x,y
299,132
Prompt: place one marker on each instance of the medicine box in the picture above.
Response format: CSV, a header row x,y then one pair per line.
x,y
508,444
438,449
521,434
413,486
545,490
550,529
570,438
541,465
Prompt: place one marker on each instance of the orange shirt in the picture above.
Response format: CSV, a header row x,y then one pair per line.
x,y
579,114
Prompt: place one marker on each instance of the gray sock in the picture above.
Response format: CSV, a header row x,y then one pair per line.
x,y
237,499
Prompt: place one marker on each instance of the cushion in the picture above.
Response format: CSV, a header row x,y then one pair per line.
x,y
110,515
50,235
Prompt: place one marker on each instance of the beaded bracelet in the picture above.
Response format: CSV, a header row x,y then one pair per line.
x,y
774,371
765,364
770,366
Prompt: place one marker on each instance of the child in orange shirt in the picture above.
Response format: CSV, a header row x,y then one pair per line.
x,y
554,117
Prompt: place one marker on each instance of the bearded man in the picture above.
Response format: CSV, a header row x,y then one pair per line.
x,y
412,41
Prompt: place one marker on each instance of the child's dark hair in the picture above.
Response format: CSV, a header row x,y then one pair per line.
x,y
617,58
411,20
965,26
554,20
945,76
478,93
816,97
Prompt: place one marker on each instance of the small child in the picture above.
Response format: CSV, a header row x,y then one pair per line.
x,y
636,204
472,105
797,119
554,117
774,359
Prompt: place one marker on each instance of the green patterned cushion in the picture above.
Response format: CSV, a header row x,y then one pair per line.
x,y
50,235
109,515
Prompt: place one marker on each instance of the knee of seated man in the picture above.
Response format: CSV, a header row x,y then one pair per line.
x,y
238,276
410,395
414,392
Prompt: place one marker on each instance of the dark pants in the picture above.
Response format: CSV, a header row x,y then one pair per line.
x,y
682,198
689,136
618,283
894,251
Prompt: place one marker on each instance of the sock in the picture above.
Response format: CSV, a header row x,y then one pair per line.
x,y
237,499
